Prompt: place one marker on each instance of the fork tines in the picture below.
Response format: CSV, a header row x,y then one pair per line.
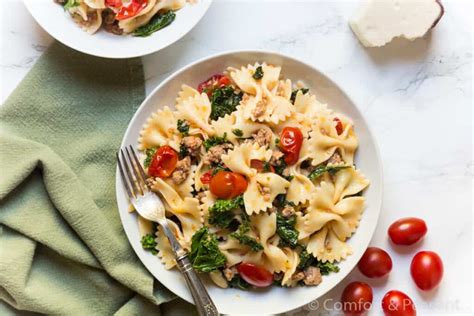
x,y
134,180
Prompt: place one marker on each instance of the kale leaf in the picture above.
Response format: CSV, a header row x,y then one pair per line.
x,y
287,231
238,283
71,4
321,169
149,243
220,213
224,100
215,140
237,132
205,255
183,127
156,23
149,152
258,74
307,259
326,267
244,239
218,168
295,92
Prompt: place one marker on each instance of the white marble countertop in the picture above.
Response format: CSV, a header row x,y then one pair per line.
x,y
417,97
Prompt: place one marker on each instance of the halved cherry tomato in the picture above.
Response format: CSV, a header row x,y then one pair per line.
x,y
130,9
218,80
221,185
339,126
163,163
426,270
396,303
260,166
291,140
113,3
255,275
375,263
356,298
206,177
240,185
407,231
228,185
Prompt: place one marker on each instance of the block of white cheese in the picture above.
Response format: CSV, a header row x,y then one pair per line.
x,y
377,22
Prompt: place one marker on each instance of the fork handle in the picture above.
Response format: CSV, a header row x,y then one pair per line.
x,y
204,304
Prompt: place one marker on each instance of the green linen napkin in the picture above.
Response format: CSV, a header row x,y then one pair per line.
x,y
63,249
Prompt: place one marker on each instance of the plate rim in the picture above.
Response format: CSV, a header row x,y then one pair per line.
x,y
145,52
378,201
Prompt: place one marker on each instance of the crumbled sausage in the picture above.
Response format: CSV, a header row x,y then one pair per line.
x,y
193,145
264,191
288,211
262,137
214,154
335,158
201,196
312,276
276,156
298,276
229,273
110,23
259,109
181,172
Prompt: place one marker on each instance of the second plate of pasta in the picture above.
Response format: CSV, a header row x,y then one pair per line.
x,y
270,177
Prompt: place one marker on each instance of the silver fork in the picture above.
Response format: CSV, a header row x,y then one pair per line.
x,y
150,207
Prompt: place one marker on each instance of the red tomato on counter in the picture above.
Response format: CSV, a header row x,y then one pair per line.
x,y
356,298
396,303
407,231
426,270
375,263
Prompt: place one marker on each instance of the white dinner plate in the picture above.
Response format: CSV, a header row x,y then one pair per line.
x,y
58,23
274,299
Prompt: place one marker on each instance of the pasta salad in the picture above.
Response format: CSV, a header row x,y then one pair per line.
x,y
137,17
258,179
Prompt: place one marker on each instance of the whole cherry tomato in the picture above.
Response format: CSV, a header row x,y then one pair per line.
x,y
228,185
407,231
216,81
291,140
206,177
260,166
130,9
240,185
396,303
375,263
426,270
163,163
339,126
255,275
356,298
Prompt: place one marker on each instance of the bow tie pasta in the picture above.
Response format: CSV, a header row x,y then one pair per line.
x,y
270,191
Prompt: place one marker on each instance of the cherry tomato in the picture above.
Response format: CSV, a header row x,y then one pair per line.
x,y
206,177
407,231
356,298
113,3
218,80
260,166
255,275
163,163
375,263
339,126
240,185
131,9
221,185
426,270
396,303
291,140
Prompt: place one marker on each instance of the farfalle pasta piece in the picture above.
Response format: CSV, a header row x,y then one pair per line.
x,y
238,159
271,257
233,250
185,188
326,246
88,19
95,4
187,210
262,190
348,181
293,259
159,130
300,189
196,110
324,141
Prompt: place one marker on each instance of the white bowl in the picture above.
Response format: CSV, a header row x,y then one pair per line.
x,y
275,299
54,20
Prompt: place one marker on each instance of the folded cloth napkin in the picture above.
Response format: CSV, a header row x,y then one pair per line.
x,y
63,249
